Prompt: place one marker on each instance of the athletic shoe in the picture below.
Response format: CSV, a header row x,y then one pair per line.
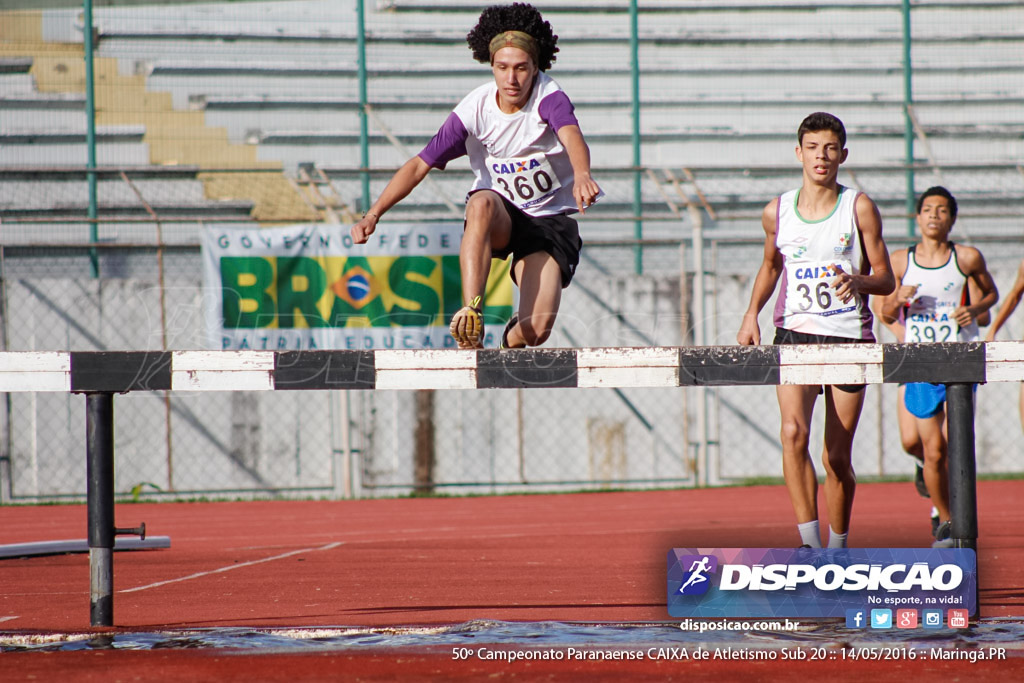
x,y
467,327
922,488
512,322
935,521
943,536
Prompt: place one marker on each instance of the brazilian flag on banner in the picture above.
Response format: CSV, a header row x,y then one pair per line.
x,y
310,287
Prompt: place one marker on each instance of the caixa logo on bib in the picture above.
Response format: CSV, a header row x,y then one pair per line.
x,y
786,582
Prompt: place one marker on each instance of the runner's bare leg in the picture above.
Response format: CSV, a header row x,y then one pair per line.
x,y
796,403
842,412
540,294
488,227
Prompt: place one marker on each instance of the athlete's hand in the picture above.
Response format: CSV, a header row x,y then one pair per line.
x,y
906,293
963,316
750,332
845,285
362,230
585,192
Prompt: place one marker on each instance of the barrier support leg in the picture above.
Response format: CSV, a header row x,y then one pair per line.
x,y
99,423
963,494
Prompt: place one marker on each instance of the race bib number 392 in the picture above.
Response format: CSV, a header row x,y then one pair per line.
x,y
525,181
924,327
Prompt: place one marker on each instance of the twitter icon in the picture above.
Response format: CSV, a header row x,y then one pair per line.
x,y
881,618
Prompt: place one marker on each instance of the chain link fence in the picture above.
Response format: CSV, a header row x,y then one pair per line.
x,y
299,443
252,114
395,443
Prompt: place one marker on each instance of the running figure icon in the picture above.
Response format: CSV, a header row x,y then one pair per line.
x,y
697,573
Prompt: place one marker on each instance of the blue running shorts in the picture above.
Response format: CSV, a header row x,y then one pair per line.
x,y
924,400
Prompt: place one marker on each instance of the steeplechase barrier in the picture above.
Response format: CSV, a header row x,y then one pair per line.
x,y
100,375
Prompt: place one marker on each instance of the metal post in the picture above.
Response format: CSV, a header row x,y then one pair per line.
x,y
364,135
347,487
700,339
424,458
99,424
963,495
341,444
685,324
634,51
6,473
908,123
520,451
90,135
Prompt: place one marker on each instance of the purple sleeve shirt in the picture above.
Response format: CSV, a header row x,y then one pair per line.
x,y
448,143
450,140
557,110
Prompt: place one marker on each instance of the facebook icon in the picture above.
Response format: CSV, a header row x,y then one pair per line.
x,y
855,618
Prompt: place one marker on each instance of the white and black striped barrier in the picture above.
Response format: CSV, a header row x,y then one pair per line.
x,y
100,375
124,371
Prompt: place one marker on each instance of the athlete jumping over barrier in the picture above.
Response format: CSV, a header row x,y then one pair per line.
x,y
531,169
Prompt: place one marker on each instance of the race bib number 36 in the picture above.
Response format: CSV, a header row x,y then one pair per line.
x,y
809,287
526,182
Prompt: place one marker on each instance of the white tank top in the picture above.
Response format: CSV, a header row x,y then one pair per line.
x,y
940,291
812,251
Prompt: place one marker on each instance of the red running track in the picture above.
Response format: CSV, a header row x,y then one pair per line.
x,y
596,557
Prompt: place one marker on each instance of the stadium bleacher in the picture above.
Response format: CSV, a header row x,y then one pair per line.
x,y
275,84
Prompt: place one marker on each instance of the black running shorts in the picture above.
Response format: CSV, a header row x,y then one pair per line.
x,y
558,235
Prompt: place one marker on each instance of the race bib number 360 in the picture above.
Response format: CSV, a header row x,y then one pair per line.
x,y
809,287
526,181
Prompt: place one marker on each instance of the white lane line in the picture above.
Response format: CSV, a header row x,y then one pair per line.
x,y
8,618
329,546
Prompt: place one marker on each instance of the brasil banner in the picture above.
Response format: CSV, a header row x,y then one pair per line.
x,y
309,287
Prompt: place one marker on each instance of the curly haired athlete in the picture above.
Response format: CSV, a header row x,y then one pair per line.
x,y
515,17
531,169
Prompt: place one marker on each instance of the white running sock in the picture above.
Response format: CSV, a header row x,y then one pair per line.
x,y
810,533
836,540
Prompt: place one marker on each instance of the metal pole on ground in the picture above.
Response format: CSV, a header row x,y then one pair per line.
x,y
963,495
99,424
